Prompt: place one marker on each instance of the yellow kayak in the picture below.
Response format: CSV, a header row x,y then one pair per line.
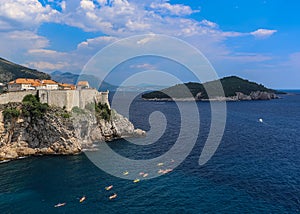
x,y
136,181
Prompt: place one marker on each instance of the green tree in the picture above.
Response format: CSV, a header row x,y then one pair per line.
x,y
32,106
10,113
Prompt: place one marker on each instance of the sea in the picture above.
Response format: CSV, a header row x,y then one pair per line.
x,y
256,168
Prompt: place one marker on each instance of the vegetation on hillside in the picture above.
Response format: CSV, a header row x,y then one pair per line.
x,y
32,107
102,111
10,71
10,113
231,85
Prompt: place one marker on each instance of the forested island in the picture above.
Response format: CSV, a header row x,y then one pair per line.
x,y
235,88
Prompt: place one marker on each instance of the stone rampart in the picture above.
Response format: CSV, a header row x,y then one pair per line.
x,y
61,98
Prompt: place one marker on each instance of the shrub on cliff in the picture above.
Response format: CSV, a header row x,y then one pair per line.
x,y
90,107
10,113
104,111
32,107
78,110
66,115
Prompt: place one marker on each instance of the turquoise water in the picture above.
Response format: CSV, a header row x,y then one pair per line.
x,y
255,169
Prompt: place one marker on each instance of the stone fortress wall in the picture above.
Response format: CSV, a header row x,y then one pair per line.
x,y
14,97
61,98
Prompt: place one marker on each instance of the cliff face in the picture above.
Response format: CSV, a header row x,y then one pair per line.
x,y
256,95
53,134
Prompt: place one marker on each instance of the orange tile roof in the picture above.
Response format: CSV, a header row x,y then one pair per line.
x,y
25,81
36,84
83,83
49,82
65,85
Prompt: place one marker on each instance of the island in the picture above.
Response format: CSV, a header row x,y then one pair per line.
x,y
235,89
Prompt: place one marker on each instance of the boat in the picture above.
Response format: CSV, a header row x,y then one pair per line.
x,y
125,173
136,181
145,175
113,196
60,205
160,171
82,199
109,187
167,171
160,164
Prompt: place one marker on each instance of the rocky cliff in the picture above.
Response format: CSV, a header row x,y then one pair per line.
x,y
256,95
58,132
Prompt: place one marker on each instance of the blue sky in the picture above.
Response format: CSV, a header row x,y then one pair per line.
x,y
257,40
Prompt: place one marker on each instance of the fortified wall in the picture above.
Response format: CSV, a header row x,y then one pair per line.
x,y
61,98
14,97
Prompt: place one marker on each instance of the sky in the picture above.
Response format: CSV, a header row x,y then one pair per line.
x,y
257,40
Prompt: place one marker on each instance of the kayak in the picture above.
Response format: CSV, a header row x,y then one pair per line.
x,y
60,205
136,181
113,196
82,199
109,187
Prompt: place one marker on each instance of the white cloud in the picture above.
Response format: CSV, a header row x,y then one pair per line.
x,y
146,39
263,33
134,25
63,5
145,66
18,42
87,5
247,57
47,66
97,42
115,18
172,9
209,23
234,34
102,2
26,14
46,54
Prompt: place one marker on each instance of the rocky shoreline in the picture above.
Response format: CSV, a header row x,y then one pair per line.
x,y
56,134
256,95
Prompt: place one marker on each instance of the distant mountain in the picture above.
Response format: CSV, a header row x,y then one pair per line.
x,y
231,85
10,71
67,77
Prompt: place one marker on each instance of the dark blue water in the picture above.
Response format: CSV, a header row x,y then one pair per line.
x,y
255,169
